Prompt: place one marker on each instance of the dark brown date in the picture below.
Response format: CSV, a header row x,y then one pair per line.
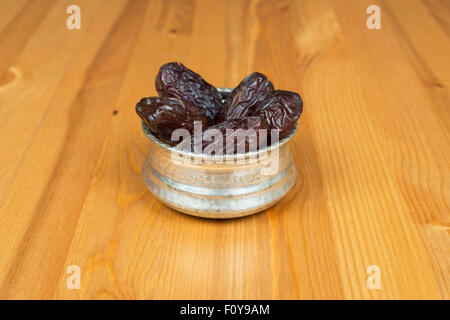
x,y
246,97
281,111
177,81
238,139
164,115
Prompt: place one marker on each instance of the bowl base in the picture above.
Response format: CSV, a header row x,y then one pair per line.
x,y
217,207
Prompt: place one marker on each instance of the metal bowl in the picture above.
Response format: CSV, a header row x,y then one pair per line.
x,y
220,187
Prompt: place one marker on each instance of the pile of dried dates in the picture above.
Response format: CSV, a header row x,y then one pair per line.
x,y
186,98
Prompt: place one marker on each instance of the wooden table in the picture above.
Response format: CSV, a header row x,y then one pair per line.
x,y
372,151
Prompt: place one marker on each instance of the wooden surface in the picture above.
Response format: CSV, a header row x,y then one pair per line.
x,y
372,150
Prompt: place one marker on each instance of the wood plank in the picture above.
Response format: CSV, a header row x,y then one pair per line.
x,y
98,90
409,148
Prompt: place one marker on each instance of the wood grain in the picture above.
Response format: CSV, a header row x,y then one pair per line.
x,y
372,151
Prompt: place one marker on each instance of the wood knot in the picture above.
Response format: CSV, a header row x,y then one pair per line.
x,y
9,76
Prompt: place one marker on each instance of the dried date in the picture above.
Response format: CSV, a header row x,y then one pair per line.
x,y
281,111
243,100
234,136
186,97
177,81
164,115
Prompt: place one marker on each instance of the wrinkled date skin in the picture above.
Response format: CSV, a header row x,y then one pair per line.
x,y
164,115
237,140
177,81
281,111
244,99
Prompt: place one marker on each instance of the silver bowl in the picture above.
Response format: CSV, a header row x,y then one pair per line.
x,y
219,187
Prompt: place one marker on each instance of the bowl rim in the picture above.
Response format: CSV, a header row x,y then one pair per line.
x,y
169,148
